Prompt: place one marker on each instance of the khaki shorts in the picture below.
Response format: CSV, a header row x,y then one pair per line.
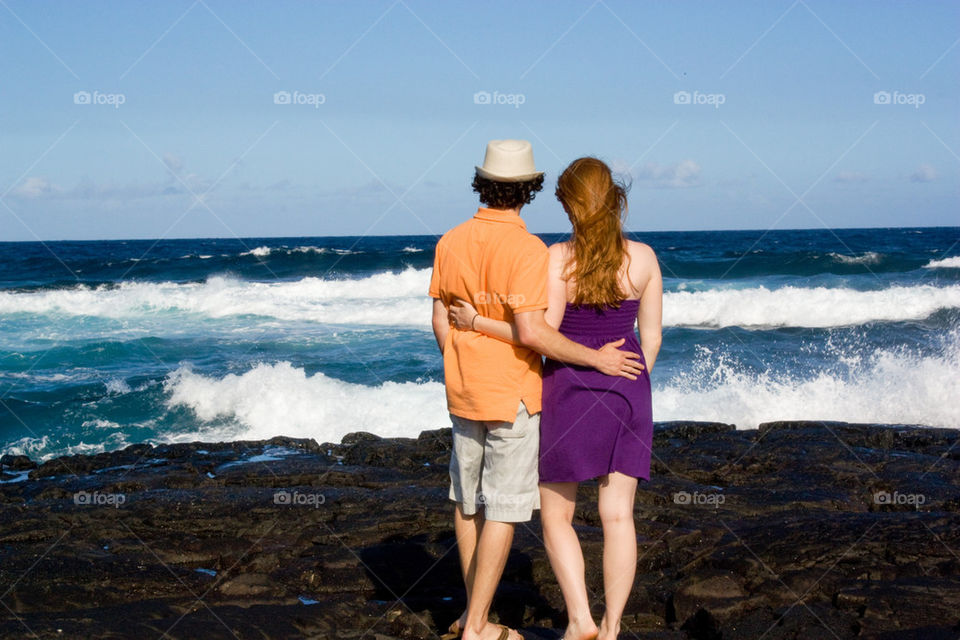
x,y
495,465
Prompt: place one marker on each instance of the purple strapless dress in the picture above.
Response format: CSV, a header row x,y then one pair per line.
x,y
593,424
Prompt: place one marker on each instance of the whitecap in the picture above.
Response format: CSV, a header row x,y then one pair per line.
x,y
946,263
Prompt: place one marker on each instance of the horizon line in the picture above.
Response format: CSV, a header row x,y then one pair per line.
x,y
423,235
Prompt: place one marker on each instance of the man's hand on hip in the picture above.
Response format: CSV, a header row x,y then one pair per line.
x,y
614,362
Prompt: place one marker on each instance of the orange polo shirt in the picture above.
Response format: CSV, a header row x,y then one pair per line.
x,y
492,261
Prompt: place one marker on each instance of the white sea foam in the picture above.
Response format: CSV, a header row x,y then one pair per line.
x,y
264,251
894,386
47,377
947,263
870,257
399,298
100,423
259,252
28,446
760,308
275,399
863,384
882,386
382,299
114,441
44,448
411,250
117,386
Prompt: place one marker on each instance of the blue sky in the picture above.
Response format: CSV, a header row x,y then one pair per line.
x,y
783,128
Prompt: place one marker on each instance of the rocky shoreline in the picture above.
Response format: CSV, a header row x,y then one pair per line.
x,y
792,530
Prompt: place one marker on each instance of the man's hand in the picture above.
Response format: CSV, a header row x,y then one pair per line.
x,y
613,362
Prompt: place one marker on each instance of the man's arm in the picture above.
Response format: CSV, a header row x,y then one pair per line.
x,y
441,325
534,333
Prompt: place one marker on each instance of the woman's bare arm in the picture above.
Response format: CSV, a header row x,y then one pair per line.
x,y
556,285
650,313
465,317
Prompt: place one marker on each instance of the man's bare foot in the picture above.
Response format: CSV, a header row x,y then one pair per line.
x,y
581,630
492,632
608,632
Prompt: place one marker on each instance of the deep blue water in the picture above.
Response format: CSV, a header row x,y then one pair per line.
x,y
108,343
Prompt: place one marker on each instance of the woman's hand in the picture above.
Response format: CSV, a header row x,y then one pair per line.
x,y
462,314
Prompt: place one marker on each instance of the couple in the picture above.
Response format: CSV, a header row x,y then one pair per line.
x,y
501,299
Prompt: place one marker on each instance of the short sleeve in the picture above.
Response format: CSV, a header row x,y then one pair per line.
x,y
434,291
528,280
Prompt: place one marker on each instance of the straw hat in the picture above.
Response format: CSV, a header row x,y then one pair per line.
x,y
508,161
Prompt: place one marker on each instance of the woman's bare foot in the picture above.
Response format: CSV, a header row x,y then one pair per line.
x,y
491,632
580,630
608,632
455,630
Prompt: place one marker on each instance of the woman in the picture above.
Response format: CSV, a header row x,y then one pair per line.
x,y
593,426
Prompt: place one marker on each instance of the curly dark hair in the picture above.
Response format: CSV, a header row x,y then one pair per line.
x,y
506,195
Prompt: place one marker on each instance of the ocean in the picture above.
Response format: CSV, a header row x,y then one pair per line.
x,y
110,343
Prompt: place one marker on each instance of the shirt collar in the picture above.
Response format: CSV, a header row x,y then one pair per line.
x,y
499,215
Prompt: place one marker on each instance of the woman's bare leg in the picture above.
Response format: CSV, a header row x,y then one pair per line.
x,y
557,503
617,494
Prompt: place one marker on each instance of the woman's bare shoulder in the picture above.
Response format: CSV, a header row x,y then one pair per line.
x,y
559,252
640,251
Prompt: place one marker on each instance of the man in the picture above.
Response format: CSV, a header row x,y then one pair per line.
x,y
494,387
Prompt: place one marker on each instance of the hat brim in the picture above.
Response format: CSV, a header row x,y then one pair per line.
x,y
483,173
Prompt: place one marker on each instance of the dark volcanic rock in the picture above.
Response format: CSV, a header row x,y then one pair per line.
x,y
16,463
794,530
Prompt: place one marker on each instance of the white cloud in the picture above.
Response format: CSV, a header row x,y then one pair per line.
x,y
924,173
620,166
35,187
173,162
681,175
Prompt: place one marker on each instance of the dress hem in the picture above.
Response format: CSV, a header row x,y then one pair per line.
x,y
595,476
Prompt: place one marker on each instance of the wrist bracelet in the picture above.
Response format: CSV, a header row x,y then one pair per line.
x,y
474,321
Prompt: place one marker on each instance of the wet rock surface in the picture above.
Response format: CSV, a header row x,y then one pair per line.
x,y
793,530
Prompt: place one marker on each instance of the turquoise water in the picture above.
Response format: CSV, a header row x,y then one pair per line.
x,y
104,344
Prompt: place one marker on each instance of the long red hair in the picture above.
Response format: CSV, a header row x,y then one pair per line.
x,y
596,205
